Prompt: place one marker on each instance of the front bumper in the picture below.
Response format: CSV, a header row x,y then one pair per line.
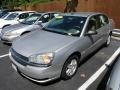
x,y
8,39
37,74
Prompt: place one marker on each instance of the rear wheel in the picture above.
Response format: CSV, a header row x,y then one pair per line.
x,y
70,67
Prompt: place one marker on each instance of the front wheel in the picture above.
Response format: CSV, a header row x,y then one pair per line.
x,y
107,43
70,67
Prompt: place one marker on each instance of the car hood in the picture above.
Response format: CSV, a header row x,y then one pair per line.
x,y
1,19
2,23
14,27
41,42
7,22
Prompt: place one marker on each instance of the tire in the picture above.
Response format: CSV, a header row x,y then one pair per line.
x,y
107,43
69,71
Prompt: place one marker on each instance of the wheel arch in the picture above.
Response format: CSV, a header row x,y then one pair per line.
x,y
6,26
75,53
25,32
62,71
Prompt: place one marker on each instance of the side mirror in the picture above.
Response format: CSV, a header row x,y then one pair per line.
x,y
91,32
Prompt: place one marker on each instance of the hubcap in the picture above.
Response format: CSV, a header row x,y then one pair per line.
x,y
71,68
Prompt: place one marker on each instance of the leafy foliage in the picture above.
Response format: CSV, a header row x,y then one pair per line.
x,y
12,3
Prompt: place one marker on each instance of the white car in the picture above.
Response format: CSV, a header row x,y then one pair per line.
x,y
2,19
14,18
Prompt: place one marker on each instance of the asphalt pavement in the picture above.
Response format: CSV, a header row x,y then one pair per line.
x,y
10,80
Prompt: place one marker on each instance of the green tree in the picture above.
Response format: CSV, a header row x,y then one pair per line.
x,y
13,3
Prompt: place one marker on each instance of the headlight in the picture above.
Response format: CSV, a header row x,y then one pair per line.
x,y
45,58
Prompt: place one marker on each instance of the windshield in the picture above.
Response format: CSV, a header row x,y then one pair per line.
x,y
31,19
67,25
12,16
4,15
0,12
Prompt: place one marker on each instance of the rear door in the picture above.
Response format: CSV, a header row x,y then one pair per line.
x,y
105,26
95,40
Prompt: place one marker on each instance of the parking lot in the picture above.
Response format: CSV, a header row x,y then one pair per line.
x,y
10,80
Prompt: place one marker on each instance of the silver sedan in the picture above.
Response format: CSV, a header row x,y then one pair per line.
x,y
56,50
32,23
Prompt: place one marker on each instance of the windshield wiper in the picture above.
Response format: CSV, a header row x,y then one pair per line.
x,y
63,33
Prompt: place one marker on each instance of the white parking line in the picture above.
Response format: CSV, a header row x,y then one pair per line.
x,y
116,33
100,71
117,38
4,55
117,30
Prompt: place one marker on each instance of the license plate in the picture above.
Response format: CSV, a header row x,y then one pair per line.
x,y
14,67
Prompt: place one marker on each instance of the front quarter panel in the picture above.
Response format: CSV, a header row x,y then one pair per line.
x,y
79,45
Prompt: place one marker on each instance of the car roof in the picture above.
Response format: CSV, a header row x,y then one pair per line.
x,y
20,12
83,14
51,12
37,14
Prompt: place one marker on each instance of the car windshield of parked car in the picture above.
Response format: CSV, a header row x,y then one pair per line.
x,y
12,16
31,19
5,15
2,13
66,25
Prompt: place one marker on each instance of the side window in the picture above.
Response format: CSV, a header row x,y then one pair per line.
x,y
45,18
97,22
52,15
23,16
91,24
104,20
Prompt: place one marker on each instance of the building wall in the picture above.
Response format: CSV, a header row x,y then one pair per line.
x,y
109,7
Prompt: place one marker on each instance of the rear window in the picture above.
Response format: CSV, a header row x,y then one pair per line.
x,y
104,19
